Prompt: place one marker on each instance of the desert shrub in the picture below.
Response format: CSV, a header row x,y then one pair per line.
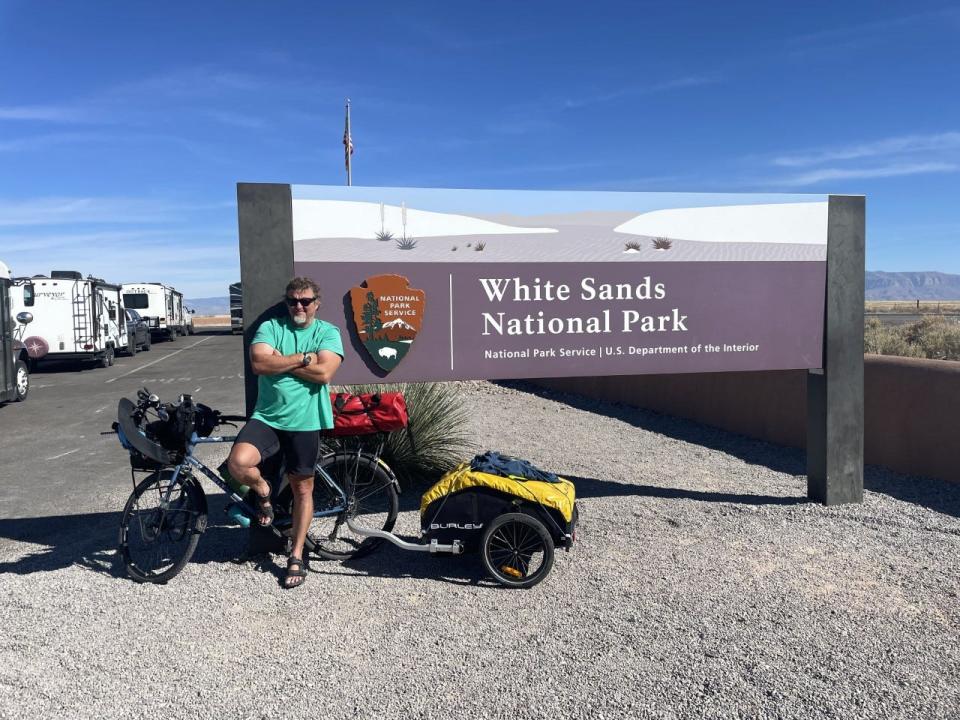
x,y
454,247
437,437
934,338
479,246
384,236
881,339
631,245
406,243
662,243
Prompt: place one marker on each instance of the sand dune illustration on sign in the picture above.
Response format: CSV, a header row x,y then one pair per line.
x,y
348,219
364,231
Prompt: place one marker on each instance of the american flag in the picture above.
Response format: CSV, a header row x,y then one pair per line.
x,y
347,143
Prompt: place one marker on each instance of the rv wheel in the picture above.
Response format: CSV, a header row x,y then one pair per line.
x,y
106,360
23,380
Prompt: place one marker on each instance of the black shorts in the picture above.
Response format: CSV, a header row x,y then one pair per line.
x,y
300,448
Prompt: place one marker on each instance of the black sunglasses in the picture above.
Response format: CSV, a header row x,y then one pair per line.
x,y
302,302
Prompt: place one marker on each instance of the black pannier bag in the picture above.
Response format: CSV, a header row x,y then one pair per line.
x,y
162,443
466,500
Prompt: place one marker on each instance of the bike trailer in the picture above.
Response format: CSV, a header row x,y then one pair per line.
x,y
469,498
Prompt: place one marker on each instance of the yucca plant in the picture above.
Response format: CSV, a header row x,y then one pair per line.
x,y
436,440
632,245
384,236
406,243
662,243
479,246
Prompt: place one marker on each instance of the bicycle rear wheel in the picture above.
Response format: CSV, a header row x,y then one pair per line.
x,y
159,532
372,502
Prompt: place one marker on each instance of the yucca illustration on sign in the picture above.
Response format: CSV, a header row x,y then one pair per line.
x,y
387,314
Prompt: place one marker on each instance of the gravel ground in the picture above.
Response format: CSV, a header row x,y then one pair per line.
x,y
702,585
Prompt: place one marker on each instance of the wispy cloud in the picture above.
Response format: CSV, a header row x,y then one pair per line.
x,y
906,144
884,171
101,210
640,90
896,156
869,33
51,113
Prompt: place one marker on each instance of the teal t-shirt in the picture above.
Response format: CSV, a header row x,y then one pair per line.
x,y
286,402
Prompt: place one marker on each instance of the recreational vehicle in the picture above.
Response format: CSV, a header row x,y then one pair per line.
x,y
160,306
236,308
74,318
14,373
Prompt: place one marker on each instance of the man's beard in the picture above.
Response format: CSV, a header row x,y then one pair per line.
x,y
300,318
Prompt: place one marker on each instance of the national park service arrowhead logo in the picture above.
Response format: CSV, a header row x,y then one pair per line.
x,y
388,314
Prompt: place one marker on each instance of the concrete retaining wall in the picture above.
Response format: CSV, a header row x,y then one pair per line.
x,y
911,407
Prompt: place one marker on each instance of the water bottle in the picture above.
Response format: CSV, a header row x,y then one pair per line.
x,y
234,511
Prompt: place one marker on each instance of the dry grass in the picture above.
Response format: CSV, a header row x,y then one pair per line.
x,y
934,338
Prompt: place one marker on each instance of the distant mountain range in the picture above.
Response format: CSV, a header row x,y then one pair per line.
x,y
911,286
209,305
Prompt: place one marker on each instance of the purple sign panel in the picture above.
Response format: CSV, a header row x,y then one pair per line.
x,y
443,285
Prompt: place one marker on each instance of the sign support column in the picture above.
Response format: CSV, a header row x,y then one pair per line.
x,y
835,392
266,261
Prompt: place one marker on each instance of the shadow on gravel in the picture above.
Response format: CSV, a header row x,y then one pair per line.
x,y
91,541
756,452
64,540
392,562
590,487
937,495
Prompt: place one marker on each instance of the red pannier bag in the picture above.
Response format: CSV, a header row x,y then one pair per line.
x,y
367,413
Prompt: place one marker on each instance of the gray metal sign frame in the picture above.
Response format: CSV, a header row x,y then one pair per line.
x,y
834,392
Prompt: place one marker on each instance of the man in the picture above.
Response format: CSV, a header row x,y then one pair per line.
x,y
295,357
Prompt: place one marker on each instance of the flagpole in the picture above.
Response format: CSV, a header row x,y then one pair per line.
x,y
349,142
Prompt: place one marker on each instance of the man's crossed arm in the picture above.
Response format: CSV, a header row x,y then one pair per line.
x,y
266,360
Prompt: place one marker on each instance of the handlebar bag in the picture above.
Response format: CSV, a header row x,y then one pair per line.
x,y
367,413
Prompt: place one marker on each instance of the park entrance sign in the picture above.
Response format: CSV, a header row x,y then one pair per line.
x,y
437,284
518,284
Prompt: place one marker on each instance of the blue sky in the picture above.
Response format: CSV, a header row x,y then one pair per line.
x,y
124,127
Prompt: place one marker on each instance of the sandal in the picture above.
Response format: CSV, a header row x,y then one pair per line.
x,y
264,509
298,576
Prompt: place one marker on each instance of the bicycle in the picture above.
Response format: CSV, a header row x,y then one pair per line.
x,y
355,500
166,513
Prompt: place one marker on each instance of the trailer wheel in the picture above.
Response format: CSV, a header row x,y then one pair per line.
x,y
22,374
106,360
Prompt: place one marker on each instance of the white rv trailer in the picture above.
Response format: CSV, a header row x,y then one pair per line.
x,y
161,306
14,373
74,318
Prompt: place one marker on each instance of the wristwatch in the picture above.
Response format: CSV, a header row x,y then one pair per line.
x,y
306,360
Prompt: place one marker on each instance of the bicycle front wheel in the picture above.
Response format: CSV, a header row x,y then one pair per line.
x,y
161,526
371,502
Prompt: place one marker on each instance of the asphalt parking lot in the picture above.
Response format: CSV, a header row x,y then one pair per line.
x,y
55,460
702,584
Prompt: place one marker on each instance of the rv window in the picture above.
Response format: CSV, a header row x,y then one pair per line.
x,y
28,295
137,301
113,312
